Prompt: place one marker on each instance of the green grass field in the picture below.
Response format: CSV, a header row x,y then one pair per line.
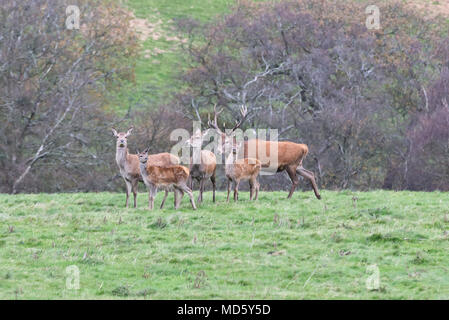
x,y
271,249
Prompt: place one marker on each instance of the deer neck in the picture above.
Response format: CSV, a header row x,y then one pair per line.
x,y
230,162
143,170
121,156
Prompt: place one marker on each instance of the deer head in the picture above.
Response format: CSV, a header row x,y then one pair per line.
x,y
122,137
236,147
196,138
143,156
227,134
233,147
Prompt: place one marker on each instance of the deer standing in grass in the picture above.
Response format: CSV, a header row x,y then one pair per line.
x,y
129,164
290,155
205,169
164,176
241,169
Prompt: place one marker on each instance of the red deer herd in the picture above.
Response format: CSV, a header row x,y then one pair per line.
x,y
163,170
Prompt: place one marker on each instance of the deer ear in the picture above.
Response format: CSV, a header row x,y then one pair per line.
x,y
114,132
129,131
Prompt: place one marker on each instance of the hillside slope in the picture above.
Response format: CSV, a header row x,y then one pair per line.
x,y
161,56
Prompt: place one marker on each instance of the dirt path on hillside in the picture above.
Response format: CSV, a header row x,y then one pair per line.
x,y
154,28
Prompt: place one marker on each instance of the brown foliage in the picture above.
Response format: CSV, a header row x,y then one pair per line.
x,y
52,83
314,71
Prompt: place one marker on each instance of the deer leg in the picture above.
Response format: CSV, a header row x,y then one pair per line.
x,y
128,191
189,192
212,178
135,185
236,190
165,197
199,191
251,188
229,189
204,186
257,190
152,191
311,177
179,198
200,195
150,201
190,182
178,195
292,174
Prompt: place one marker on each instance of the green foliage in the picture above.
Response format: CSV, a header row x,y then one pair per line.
x,y
273,248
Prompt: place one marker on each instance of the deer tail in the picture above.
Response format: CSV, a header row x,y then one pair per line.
x,y
304,154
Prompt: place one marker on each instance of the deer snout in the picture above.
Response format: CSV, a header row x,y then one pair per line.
x,y
143,159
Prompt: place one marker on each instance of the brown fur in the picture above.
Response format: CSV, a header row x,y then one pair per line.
x,y
290,154
155,176
129,164
162,159
242,169
163,176
159,159
290,158
203,171
246,168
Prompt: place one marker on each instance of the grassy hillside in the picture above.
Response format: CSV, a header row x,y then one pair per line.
x,y
273,248
161,56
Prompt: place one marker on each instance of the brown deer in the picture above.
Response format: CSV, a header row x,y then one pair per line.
x,y
204,170
129,164
290,155
241,169
164,176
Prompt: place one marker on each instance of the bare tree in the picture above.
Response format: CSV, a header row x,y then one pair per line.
x,y
52,81
321,78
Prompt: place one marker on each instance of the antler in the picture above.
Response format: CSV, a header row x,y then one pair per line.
x,y
215,123
244,113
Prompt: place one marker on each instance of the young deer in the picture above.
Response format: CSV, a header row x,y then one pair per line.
x,y
164,176
129,164
205,169
241,169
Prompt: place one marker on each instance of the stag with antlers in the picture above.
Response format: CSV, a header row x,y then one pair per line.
x,y
290,155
